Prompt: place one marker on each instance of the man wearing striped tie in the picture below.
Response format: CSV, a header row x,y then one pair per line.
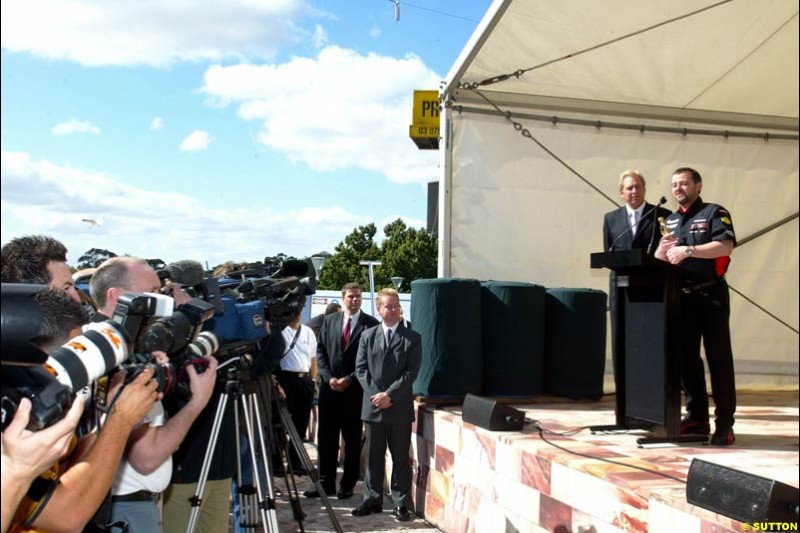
x,y
340,394
626,228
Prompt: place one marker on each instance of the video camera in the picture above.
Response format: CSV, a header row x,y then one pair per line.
x,y
245,303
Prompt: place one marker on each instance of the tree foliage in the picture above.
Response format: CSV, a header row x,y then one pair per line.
x,y
406,252
343,267
94,257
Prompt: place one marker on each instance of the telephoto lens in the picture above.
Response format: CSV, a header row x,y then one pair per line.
x,y
89,356
205,344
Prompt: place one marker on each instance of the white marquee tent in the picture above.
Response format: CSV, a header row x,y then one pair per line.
x,y
552,99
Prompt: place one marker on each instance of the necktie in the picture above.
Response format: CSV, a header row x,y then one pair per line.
x,y
346,334
634,222
388,338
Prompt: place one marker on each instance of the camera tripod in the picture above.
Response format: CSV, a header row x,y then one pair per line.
x,y
255,504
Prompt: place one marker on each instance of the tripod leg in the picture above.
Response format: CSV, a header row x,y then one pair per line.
x,y
197,499
266,505
297,443
246,518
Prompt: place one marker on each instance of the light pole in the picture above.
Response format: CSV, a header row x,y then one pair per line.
x,y
371,264
318,262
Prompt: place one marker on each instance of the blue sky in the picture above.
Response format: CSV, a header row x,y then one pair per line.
x,y
221,129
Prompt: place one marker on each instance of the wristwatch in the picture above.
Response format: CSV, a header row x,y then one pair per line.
x,y
689,251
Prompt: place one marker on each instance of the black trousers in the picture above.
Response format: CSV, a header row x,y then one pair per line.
x,y
705,314
299,398
339,413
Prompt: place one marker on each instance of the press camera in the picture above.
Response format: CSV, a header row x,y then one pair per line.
x,y
50,381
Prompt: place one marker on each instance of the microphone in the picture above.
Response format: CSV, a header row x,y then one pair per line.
x,y
186,272
655,225
292,267
630,228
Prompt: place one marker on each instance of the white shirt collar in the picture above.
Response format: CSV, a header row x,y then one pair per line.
x,y
639,210
353,318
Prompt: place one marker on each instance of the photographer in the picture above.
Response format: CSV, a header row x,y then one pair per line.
x,y
147,465
38,259
65,497
215,505
26,454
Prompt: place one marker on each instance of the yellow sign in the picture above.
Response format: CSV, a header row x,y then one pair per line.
x,y
424,129
426,108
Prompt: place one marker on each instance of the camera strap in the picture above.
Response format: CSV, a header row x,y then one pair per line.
x,y
294,341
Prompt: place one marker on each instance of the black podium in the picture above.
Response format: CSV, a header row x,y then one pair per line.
x,y
647,332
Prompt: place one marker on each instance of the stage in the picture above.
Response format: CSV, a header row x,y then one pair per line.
x,y
468,479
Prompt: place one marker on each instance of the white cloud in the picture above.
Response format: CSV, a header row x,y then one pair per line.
x,y
197,141
375,32
42,197
157,123
340,109
320,37
75,126
132,32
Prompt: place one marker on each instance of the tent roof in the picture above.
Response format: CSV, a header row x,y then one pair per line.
x,y
730,61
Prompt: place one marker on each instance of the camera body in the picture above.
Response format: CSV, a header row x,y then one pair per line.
x,y
178,335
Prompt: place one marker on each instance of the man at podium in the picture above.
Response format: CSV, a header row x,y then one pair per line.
x,y
628,227
701,240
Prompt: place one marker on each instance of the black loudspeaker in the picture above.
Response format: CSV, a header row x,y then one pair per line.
x,y
739,495
491,415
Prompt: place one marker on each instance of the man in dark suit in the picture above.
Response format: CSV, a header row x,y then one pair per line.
x,y
316,323
627,228
389,357
340,394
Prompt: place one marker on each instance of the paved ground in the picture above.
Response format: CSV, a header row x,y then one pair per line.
x,y
317,517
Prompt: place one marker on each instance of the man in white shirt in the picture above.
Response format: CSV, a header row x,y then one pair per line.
x,y
297,374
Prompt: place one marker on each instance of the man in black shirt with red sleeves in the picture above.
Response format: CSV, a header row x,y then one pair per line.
x,y
701,241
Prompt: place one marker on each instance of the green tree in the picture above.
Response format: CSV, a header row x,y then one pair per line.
x,y
93,258
343,267
407,253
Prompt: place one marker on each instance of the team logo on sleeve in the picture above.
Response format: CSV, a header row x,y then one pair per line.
x,y
726,220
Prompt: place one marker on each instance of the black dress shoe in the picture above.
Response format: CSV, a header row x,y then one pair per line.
x,y
344,494
367,508
690,426
402,514
723,436
314,493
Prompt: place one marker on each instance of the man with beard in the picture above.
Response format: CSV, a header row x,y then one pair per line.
x,y
701,242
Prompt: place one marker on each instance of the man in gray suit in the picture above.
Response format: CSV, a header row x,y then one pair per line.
x,y
388,361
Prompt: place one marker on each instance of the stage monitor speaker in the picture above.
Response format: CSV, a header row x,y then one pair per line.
x,y
739,495
491,415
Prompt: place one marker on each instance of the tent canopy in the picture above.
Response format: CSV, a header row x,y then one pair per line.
x,y
698,58
550,101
